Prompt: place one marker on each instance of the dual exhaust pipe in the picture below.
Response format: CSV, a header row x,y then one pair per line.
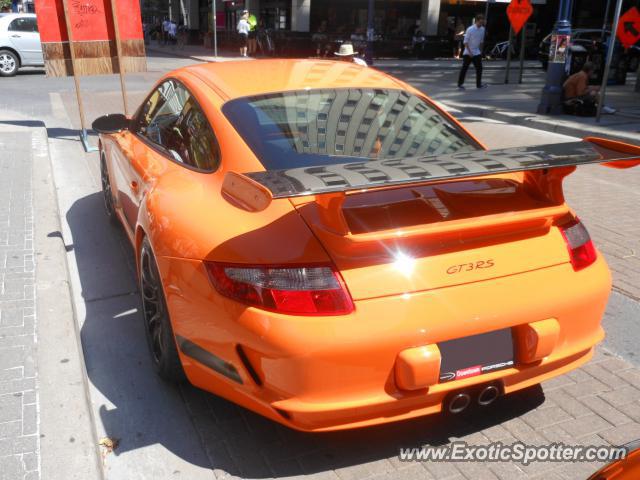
x,y
459,402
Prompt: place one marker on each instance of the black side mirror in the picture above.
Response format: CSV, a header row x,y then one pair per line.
x,y
113,123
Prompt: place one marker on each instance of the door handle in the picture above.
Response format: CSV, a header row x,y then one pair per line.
x,y
15,35
134,186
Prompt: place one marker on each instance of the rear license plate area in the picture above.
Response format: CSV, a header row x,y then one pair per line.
x,y
476,355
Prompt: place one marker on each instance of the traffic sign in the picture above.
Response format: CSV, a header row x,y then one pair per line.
x,y
519,12
629,27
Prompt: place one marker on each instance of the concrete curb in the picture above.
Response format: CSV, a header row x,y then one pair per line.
x,y
177,54
68,443
544,123
197,58
380,63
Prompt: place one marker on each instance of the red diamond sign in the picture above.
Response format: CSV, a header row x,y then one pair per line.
x,y
629,27
519,12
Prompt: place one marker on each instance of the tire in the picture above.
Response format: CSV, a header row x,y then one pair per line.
x,y
157,324
107,193
9,63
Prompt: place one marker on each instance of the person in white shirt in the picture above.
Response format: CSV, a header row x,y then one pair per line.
x,y
347,54
243,32
172,32
165,31
473,40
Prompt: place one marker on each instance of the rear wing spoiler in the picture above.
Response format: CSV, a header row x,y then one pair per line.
x,y
254,191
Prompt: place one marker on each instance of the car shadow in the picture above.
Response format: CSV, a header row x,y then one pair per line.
x,y
245,444
138,409
31,71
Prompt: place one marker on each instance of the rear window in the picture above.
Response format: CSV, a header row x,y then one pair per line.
x,y
322,127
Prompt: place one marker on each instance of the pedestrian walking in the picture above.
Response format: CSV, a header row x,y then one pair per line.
x,y
243,32
181,38
164,32
172,33
252,40
458,38
321,40
473,40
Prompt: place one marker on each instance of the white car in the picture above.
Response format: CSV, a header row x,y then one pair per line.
x,y
19,43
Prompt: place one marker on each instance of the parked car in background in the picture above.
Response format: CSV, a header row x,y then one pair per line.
x,y
19,43
590,39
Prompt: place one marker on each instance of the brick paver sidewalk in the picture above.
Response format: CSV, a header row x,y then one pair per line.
x,y
18,397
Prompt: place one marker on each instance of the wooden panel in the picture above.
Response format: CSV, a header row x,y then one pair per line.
x,y
94,57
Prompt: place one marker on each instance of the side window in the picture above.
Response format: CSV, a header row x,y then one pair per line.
x,y
195,142
172,119
23,24
160,113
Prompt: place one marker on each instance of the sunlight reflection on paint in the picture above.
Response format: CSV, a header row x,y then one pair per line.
x,y
404,263
126,313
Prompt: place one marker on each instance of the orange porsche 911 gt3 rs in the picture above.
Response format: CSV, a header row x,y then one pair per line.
x,y
320,243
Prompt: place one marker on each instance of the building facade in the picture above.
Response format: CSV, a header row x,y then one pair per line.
x,y
393,19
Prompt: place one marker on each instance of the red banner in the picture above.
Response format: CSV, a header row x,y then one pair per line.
x,y
93,34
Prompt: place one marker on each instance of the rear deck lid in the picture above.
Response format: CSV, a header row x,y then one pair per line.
x,y
427,237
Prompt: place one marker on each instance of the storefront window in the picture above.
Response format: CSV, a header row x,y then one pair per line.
x,y
392,19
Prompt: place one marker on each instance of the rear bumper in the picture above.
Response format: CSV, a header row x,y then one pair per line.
x,y
374,411
328,373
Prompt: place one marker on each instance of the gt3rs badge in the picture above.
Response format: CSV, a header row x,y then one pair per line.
x,y
469,267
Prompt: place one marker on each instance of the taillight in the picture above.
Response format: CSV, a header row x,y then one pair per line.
x,y
314,290
581,249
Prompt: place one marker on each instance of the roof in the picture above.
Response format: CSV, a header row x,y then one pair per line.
x,y
254,77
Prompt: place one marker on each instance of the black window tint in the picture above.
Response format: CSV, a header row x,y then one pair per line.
x,y
23,24
172,119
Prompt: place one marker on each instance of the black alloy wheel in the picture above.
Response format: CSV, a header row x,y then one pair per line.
x,y
107,194
157,324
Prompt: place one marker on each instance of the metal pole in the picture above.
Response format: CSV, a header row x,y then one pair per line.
x,y
607,65
215,30
368,53
551,98
604,22
507,71
83,134
522,42
486,18
116,31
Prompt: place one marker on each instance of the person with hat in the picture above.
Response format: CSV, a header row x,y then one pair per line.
x,y
243,32
346,54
